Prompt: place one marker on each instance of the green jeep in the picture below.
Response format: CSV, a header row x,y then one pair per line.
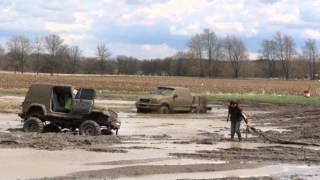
x,y
54,107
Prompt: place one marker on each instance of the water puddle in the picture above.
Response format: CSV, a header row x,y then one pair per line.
x,y
283,171
9,121
149,139
30,163
273,128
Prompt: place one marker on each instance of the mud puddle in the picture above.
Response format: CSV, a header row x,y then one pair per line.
x,y
281,171
30,163
185,146
9,121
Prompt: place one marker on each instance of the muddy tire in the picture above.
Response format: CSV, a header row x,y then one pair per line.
x,y
164,110
139,110
106,132
90,128
51,128
33,124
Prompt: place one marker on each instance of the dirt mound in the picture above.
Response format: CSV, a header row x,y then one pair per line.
x,y
139,170
53,141
263,154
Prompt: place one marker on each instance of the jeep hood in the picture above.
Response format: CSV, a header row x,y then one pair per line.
x,y
154,96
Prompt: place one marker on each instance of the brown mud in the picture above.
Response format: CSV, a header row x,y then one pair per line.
x,y
175,146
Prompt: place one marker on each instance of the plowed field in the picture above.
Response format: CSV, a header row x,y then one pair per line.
x,y
147,83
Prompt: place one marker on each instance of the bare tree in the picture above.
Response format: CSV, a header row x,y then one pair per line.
x,y
19,48
269,53
75,56
103,55
182,55
285,51
235,52
65,64
217,54
311,53
210,45
2,55
196,47
2,51
52,43
38,47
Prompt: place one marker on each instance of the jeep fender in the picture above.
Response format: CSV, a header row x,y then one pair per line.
x,y
40,106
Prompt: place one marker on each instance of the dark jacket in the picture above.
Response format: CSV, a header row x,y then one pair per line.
x,y
235,114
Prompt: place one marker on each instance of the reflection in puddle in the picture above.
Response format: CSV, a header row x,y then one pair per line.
x,y
283,171
9,121
30,163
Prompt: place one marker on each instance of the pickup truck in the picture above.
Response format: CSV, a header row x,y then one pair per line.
x,y
172,99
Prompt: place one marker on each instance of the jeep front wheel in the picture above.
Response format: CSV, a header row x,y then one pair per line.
x,y
33,124
90,128
164,110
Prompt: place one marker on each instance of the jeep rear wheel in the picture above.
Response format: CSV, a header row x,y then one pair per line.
x,y
90,128
164,110
33,124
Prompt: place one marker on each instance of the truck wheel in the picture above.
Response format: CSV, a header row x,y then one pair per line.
x,y
51,128
164,110
33,124
106,132
90,128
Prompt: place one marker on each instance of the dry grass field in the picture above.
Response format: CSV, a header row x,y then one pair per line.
x,y
146,83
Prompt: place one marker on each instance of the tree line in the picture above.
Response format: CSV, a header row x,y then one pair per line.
x,y
208,55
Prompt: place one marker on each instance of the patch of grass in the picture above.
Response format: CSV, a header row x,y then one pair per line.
x,y
107,93
100,93
13,91
273,99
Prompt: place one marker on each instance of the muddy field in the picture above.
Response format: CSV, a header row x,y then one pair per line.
x,y
176,146
147,83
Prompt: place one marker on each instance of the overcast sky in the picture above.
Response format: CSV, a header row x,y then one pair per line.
x,y
157,28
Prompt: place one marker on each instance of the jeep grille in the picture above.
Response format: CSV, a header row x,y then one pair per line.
x,y
145,100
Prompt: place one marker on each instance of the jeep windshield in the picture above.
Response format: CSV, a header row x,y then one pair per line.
x,y
164,91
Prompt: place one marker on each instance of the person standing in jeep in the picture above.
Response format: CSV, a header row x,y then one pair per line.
x,y
235,115
68,103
